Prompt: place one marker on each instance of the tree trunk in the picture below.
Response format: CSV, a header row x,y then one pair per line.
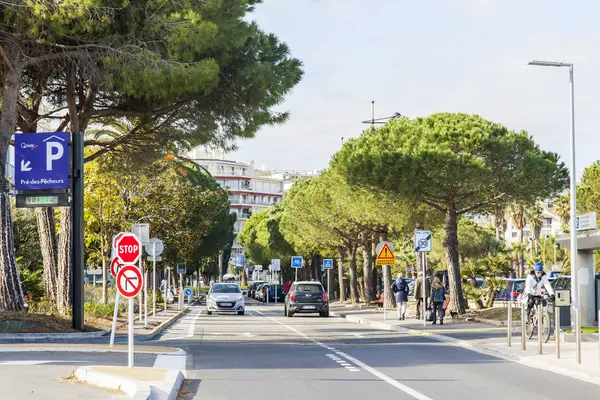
x,y
457,302
353,274
390,300
11,293
374,272
47,233
65,262
244,277
340,266
106,255
521,256
367,270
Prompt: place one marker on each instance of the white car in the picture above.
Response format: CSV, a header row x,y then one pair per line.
x,y
225,297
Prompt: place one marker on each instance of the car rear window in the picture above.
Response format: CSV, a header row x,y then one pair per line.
x,y
308,288
519,285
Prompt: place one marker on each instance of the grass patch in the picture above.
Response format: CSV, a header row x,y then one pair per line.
x,y
588,329
497,313
23,322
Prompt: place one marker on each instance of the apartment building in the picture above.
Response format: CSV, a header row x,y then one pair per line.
x,y
251,190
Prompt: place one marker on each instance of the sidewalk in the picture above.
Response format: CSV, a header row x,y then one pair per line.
x,y
154,326
486,339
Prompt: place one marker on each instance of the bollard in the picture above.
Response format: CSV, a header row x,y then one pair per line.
x,y
523,333
509,329
557,330
539,327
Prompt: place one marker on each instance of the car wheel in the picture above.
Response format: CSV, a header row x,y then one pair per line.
x,y
209,313
289,314
240,313
324,314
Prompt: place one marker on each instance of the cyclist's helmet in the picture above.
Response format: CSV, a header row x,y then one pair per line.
x,y
538,267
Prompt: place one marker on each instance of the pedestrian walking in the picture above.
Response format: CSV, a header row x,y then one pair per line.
x,y
419,293
288,285
400,289
438,296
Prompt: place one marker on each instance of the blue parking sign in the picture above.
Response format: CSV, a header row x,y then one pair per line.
x,y
296,262
42,160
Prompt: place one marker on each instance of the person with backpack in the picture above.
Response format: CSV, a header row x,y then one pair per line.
x,y
400,289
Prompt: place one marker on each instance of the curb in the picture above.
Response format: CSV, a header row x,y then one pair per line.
x,y
169,387
480,349
33,337
133,389
180,352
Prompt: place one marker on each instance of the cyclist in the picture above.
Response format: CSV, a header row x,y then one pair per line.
x,y
534,283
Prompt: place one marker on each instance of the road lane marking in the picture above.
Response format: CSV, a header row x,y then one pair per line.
x,y
411,392
192,327
37,362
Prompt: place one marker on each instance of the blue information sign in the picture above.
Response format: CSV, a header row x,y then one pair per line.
x,y
296,262
239,261
42,161
328,263
181,268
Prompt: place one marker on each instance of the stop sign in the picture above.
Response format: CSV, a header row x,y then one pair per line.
x,y
129,247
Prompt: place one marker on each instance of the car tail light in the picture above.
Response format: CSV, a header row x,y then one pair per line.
x,y
324,296
514,294
292,296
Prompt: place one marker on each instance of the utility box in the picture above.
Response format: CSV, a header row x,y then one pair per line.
x,y
562,298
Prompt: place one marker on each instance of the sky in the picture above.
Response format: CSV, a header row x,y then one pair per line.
x,y
423,57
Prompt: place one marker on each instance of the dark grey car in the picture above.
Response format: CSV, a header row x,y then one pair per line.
x,y
306,297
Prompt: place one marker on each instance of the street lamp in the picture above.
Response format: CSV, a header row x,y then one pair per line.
x,y
574,270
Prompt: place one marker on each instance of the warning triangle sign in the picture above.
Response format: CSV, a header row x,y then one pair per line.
x,y
385,253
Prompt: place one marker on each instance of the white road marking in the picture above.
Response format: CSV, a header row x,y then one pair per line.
x,y
354,334
192,326
411,392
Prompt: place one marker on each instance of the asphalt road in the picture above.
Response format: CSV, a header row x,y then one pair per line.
x,y
263,355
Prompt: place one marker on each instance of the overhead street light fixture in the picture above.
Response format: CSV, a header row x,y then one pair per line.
x,y
573,188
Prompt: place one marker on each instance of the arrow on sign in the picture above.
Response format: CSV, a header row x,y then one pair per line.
x,y
25,166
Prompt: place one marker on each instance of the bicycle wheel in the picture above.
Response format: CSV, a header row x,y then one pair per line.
x,y
530,327
546,328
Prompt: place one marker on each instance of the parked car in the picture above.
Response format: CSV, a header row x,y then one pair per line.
x,y
259,294
270,293
225,297
513,288
253,287
306,297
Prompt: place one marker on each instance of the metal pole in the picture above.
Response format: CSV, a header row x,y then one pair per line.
x,y
276,287
180,291
573,189
77,251
328,292
509,328
385,292
115,315
296,280
167,287
146,299
154,279
141,291
523,330
557,330
424,286
130,335
539,327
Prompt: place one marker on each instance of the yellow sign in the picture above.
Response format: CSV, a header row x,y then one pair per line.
x,y
385,256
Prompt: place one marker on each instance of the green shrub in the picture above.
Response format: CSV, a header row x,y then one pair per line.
x,y
100,310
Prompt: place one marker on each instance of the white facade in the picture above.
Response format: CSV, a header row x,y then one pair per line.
x,y
290,176
250,190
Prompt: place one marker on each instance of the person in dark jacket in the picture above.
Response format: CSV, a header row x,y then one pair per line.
x,y
438,292
400,289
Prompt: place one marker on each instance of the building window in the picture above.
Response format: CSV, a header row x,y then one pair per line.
x,y
547,223
514,235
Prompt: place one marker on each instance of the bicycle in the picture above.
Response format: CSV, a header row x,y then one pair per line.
x,y
532,322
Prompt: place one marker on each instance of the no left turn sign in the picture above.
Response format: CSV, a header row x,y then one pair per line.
x,y
129,281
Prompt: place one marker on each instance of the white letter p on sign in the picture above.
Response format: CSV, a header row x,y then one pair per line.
x,y
51,156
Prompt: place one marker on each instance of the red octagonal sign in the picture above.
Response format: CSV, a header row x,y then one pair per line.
x,y
128,247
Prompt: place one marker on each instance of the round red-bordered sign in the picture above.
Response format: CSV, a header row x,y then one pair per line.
x,y
114,267
129,281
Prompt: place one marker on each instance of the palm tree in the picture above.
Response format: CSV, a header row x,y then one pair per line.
x,y
562,207
518,216
499,221
533,215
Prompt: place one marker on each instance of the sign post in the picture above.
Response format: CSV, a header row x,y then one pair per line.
x,y
423,245
155,247
181,269
188,293
328,265
275,268
129,284
129,250
296,264
167,287
385,257
114,270
142,231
